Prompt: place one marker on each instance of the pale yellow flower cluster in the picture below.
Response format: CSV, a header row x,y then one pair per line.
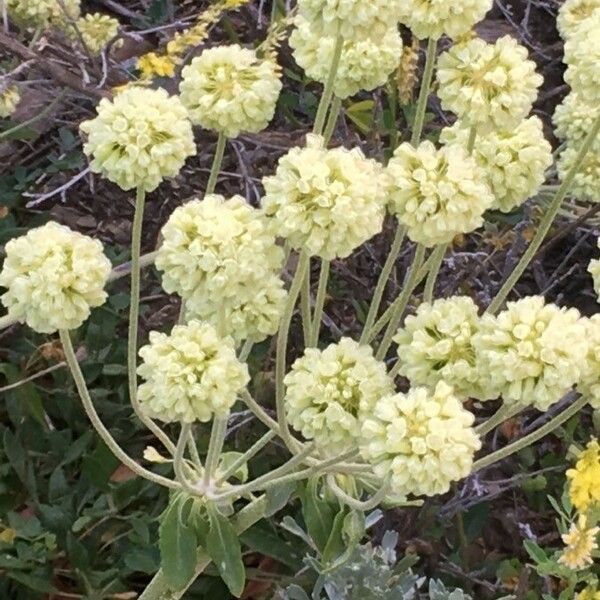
x,y
489,86
582,55
532,353
230,90
437,193
589,386
9,100
435,18
515,160
586,184
584,490
572,14
139,137
43,13
190,375
328,391
423,440
580,542
54,276
589,593
365,63
221,257
96,30
594,270
326,202
573,119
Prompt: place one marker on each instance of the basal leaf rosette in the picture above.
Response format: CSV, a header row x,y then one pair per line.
x,y
190,375
574,118
437,193
253,313
532,352
365,63
572,13
489,86
9,100
43,13
212,248
435,18
328,390
54,276
515,161
424,440
582,55
351,18
138,138
435,345
229,89
586,183
96,30
325,202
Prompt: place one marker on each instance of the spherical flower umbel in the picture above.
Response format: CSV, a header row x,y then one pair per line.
x,y
423,440
190,375
96,30
532,352
572,13
435,18
435,345
594,270
573,119
212,248
365,63
54,276
489,86
9,100
138,138
586,184
43,13
437,193
230,90
515,161
582,55
580,542
326,202
584,491
327,392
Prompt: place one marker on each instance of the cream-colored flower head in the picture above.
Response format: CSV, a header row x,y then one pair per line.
x,y
326,202
139,137
211,248
573,119
230,90
423,439
328,390
489,86
190,375
580,541
437,193
586,184
9,100
435,345
589,386
96,30
572,13
582,55
43,13
594,270
54,276
252,314
515,161
365,63
435,18
351,18
533,353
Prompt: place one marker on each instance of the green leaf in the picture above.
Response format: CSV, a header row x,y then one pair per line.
x,y
223,547
335,544
227,459
318,514
177,544
536,553
26,393
277,497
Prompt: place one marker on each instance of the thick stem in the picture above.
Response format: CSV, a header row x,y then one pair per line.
x,y
328,89
424,92
305,305
215,445
216,165
546,222
505,412
94,418
134,308
245,350
332,119
382,282
438,258
533,437
319,303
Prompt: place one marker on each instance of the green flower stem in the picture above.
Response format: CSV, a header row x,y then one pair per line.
x,y
260,412
328,89
430,57
194,450
282,339
409,286
332,119
395,369
216,165
320,302
362,505
472,139
505,412
531,438
179,464
438,257
382,282
305,305
215,445
246,456
94,418
245,350
134,309
546,222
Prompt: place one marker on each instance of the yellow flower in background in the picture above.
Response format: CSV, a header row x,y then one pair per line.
x,y
573,119
44,13
580,542
582,55
96,31
153,65
589,593
584,478
572,14
594,270
9,100
586,184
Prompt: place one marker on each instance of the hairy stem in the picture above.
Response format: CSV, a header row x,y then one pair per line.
x,y
319,303
332,119
305,304
216,165
438,257
328,89
505,412
215,445
424,92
